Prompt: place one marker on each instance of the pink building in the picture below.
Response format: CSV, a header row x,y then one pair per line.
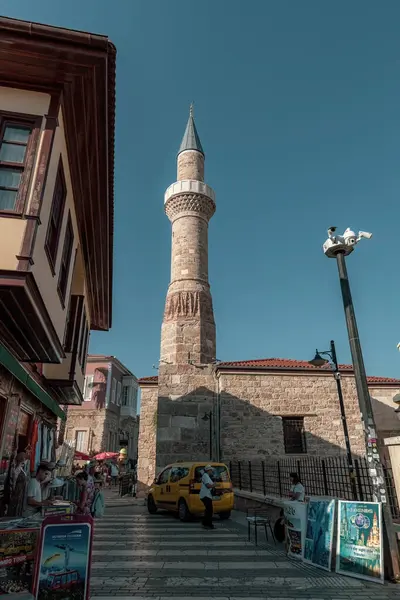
x,y
107,419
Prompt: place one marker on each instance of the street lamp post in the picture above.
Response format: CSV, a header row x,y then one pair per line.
x,y
208,416
338,247
318,361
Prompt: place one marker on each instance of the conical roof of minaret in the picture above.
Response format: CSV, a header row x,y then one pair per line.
x,y
191,140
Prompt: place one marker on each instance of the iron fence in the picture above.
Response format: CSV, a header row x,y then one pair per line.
x,y
320,477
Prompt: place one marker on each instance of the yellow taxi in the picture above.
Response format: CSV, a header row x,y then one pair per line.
x,y
177,489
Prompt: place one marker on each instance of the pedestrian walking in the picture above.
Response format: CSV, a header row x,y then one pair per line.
x,y
207,484
114,473
86,496
297,491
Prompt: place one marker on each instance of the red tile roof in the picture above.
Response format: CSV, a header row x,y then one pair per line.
x,y
284,364
144,380
294,365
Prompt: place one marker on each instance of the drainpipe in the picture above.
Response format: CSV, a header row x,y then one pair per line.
x,y
218,422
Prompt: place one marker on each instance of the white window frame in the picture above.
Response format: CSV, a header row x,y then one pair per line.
x,y
80,443
113,390
119,393
88,388
126,396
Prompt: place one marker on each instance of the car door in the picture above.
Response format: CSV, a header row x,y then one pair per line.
x,y
173,488
162,482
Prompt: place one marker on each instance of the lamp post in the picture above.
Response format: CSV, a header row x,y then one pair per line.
x,y
208,416
338,247
319,361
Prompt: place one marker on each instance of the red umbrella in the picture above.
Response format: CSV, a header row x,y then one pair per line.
x,y
106,455
81,455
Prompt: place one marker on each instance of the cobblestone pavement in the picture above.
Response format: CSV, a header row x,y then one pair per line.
x,y
140,556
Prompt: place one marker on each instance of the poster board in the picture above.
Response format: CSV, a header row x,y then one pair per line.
x,y
17,556
64,558
295,514
318,543
359,550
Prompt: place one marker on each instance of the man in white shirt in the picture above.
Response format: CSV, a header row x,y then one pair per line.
x,y
206,496
35,491
297,491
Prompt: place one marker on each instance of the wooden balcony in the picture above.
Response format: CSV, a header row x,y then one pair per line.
x,y
66,385
25,325
67,379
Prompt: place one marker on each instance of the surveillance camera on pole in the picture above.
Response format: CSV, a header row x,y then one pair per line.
x,y
338,247
343,243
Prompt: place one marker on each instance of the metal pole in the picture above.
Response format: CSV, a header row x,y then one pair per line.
x,y
376,472
211,435
344,421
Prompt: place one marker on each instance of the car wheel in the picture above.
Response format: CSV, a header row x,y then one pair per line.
x,y
151,505
183,511
225,515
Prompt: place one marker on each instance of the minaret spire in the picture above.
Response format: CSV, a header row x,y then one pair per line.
x,y
191,139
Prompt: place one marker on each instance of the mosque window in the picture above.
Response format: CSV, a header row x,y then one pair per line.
x,y
294,436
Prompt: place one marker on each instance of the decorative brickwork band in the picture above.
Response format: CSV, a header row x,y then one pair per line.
x,y
183,203
188,305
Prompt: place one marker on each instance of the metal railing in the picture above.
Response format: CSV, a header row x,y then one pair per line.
x,y
320,477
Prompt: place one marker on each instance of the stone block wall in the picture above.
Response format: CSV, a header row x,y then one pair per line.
x,y
252,407
147,437
97,423
185,394
189,258
386,420
190,166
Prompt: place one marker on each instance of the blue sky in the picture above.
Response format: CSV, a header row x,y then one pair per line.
x,y
297,106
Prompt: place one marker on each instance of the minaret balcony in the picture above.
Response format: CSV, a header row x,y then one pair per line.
x,y
189,186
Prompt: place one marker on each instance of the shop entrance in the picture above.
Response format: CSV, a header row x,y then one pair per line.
x,y
24,425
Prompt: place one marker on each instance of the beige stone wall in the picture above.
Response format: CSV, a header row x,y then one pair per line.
x,y
185,394
190,165
386,420
252,406
147,438
190,248
96,423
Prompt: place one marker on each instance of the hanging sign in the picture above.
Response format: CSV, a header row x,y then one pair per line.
x,y
64,558
295,524
360,545
319,533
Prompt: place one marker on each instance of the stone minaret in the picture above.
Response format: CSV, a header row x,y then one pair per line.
x,y
173,406
188,329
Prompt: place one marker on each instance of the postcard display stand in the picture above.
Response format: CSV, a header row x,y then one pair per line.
x,y
64,558
359,550
295,525
320,532
17,555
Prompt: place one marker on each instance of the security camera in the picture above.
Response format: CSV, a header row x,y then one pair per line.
x,y
364,234
350,238
331,231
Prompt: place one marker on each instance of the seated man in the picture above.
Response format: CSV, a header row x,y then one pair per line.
x,y
35,500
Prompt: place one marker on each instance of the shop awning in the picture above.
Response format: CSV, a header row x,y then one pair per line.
x,y
11,364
